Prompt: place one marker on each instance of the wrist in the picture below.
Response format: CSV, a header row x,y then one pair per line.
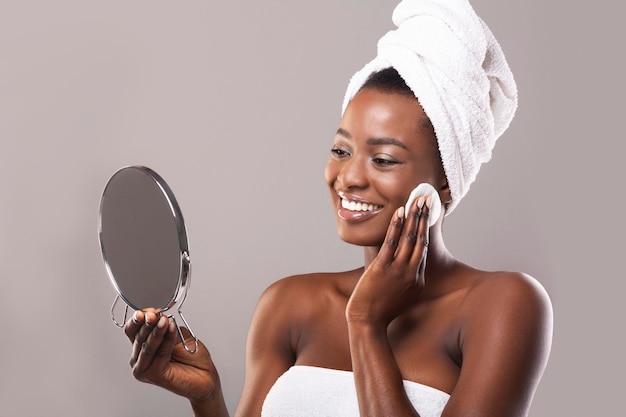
x,y
365,319
211,406
367,328
208,408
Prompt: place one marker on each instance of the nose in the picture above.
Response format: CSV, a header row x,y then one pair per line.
x,y
353,173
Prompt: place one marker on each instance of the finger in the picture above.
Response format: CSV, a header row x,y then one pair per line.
x,y
418,257
420,277
151,346
133,325
392,237
409,232
422,226
150,319
163,354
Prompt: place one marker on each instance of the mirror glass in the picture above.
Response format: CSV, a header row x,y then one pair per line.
x,y
144,243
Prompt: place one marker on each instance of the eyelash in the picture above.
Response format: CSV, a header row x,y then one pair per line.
x,y
339,153
383,162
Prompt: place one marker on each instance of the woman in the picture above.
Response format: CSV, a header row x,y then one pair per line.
x,y
415,331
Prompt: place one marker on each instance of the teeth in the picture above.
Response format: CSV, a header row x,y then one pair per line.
x,y
357,206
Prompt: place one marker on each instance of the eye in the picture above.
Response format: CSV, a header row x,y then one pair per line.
x,y
339,153
384,162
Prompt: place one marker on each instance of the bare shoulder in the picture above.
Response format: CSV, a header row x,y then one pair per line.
x,y
299,295
513,290
306,283
505,339
283,311
285,308
508,302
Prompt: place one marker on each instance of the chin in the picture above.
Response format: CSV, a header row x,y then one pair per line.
x,y
360,239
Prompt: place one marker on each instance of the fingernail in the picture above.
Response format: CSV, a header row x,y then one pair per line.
x,y
401,212
172,326
162,322
420,202
136,317
429,201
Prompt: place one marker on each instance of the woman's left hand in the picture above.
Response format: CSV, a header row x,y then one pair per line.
x,y
393,279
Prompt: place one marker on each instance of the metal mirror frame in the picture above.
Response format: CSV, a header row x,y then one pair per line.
x,y
173,307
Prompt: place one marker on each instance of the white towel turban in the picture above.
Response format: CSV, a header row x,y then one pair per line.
x,y
453,64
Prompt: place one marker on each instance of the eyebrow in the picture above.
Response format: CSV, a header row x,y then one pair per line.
x,y
375,141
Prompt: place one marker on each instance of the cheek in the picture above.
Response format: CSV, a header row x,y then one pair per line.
x,y
397,189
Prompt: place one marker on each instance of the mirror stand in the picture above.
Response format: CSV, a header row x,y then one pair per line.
x,y
115,302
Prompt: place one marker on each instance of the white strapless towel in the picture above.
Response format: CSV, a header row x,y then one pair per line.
x,y
308,391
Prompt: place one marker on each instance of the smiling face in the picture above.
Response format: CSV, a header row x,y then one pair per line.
x,y
382,150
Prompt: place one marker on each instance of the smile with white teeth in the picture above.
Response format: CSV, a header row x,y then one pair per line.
x,y
358,206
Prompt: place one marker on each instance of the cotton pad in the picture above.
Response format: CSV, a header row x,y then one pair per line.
x,y
425,189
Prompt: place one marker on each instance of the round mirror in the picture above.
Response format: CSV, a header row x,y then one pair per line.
x,y
144,244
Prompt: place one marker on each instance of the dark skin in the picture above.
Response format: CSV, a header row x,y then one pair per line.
x,y
483,337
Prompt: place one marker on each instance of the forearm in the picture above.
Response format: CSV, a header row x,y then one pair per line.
x,y
379,385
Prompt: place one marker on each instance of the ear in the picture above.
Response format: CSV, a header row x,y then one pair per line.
x,y
445,194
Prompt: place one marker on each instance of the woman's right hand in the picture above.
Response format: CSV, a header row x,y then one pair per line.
x,y
159,358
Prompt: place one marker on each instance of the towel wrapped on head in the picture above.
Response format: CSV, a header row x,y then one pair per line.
x,y
455,67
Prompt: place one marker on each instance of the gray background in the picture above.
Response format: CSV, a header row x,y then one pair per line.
x,y
235,104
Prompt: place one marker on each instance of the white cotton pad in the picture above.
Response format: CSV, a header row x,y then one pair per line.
x,y
425,189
